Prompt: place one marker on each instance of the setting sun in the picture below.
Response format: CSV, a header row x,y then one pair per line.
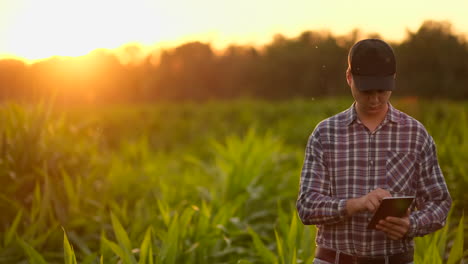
x,y
47,28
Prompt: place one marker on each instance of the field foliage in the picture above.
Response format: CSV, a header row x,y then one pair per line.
x,y
185,183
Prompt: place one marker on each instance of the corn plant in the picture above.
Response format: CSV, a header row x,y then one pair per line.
x,y
433,248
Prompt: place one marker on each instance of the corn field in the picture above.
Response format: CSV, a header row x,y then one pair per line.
x,y
212,182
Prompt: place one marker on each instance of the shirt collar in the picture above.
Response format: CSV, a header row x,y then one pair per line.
x,y
351,115
393,115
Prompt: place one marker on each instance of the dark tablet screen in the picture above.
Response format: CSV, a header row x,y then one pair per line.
x,y
391,206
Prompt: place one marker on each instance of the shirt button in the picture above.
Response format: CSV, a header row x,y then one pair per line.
x,y
371,162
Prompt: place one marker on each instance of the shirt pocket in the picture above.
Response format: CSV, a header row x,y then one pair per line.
x,y
401,168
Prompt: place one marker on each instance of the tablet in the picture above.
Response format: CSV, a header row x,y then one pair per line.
x,y
391,206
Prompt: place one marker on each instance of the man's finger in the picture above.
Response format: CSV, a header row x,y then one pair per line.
x,y
374,201
394,229
391,236
371,207
390,232
402,223
397,220
395,223
382,193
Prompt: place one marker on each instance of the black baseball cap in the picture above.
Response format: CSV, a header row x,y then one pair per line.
x,y
373,65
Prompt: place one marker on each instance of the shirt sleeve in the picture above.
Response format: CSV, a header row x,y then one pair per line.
x,y
433,199
314,204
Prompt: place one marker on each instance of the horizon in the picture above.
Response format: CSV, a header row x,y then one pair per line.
x,y
76,29
144,51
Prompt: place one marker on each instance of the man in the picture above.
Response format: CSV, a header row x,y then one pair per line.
x,y
357,157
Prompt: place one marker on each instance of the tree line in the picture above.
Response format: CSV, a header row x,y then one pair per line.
x,y
431,62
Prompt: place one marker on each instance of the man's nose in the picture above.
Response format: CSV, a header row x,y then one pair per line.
x,y
374,96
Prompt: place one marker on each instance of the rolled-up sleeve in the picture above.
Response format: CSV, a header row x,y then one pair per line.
x,y
314,204
433,199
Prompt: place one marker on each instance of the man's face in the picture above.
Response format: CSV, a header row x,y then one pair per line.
x,y
369,102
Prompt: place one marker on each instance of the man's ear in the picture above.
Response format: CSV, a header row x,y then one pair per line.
x,y
349,76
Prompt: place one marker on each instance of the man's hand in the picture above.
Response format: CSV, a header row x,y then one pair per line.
x,y
369,202
395,227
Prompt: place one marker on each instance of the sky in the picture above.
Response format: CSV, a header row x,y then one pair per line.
x,y
33,29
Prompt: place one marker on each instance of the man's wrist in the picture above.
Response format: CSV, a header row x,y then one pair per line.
x,y
352,206
412,227
342,208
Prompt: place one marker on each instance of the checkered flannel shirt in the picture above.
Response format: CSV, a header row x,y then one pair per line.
x,y
345,160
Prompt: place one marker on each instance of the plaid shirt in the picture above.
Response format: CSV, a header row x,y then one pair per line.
x,y
345,160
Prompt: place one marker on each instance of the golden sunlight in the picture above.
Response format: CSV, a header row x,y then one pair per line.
x,y
74,28
33,29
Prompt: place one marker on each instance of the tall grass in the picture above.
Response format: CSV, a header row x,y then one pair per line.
x,y
211,183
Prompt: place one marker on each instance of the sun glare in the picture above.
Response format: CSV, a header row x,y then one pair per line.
x,y
73,28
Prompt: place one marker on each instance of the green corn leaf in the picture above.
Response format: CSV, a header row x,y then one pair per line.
x,y
38,236
432,254
443,235
279,246
185,220
165,212
36,203
150,254
115,248
33,255
169,251
262,250
68,252
120,233
10,234
90,259
283,219
292,234
418,258
307,241
72,196
145,248
78,240
456,253
104,249
294,258
310,260
123,240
